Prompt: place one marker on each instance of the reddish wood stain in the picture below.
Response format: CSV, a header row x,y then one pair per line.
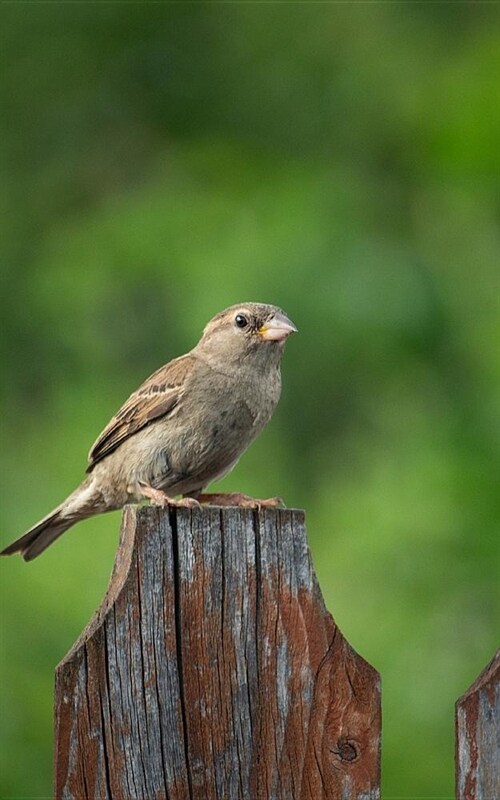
x,y
477,721
213,671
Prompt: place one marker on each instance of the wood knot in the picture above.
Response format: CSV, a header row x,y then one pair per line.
x,y
346,750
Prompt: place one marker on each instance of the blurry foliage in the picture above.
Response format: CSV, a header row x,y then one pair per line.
x,y
163,161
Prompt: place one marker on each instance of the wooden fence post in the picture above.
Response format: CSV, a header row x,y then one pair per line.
x,y
477,730
213,671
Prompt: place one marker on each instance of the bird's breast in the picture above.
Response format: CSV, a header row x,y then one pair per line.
x,y
222,421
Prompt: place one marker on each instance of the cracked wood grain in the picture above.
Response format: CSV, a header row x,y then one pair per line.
x,y
477,726
213,671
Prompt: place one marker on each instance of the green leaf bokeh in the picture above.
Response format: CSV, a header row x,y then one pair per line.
x,y
164,161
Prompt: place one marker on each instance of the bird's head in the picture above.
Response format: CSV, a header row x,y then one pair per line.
x,y
247,331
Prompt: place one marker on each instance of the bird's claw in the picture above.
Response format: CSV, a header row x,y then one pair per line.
x,y
160,498
239,499
270,502
185,502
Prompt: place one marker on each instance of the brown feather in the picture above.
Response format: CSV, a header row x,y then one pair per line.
x,y
156,397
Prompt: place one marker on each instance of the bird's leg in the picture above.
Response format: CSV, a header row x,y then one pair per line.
x,y
238,499
160,498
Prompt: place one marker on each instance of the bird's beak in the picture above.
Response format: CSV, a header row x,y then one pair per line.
x,y
277,328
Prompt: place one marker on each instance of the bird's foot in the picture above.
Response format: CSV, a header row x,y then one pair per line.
x,y
238,499
184,502
160,498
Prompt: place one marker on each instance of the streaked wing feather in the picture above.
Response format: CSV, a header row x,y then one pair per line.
x,y
156,397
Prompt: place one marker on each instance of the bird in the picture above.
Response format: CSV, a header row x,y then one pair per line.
x,y
184,427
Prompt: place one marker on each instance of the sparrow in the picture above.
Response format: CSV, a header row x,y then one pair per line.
x,y
184,427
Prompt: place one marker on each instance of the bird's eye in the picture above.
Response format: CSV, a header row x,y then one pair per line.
x,y
241,321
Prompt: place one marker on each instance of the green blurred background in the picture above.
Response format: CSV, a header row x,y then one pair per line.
x,y
161,162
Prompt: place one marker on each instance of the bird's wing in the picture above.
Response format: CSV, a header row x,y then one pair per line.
x,y
156,397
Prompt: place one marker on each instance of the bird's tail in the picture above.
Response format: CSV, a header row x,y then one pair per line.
x,y
84,502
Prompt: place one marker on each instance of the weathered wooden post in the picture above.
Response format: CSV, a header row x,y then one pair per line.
x,y
213,670
477,729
